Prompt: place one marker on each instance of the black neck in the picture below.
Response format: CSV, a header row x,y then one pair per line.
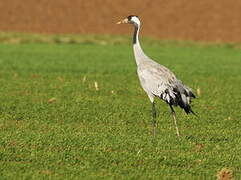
x,y
135,35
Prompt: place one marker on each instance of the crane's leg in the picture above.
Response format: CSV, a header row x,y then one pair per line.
x,y
154,119
175,120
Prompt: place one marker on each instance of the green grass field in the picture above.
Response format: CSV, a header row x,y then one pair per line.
x,y
55,124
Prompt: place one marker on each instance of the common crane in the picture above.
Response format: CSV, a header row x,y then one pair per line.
x,y
157,80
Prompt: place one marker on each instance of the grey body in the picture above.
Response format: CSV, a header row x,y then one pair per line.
x,y
159,81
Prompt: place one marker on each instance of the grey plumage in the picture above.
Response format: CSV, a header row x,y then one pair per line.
x,y
157,80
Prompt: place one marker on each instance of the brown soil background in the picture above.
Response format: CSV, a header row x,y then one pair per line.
x,y
198,20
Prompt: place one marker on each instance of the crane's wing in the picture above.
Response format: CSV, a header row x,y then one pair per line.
x,y
156,79
161,82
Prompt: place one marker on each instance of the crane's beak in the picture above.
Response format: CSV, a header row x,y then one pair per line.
x,y
124,21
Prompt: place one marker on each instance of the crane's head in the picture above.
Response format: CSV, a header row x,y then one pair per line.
x,y
132,19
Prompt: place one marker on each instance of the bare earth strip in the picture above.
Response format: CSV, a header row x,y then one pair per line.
x,y
206,20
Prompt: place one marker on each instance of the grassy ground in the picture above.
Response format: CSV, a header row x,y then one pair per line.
x,y
55,123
